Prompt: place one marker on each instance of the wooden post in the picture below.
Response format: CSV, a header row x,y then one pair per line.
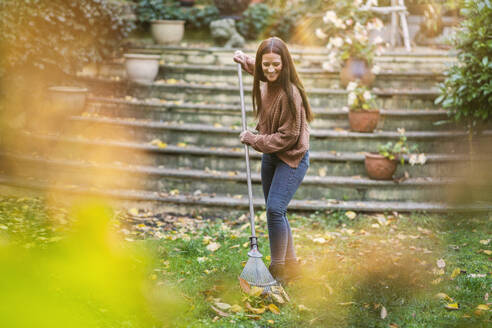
x,y
394,25
404,26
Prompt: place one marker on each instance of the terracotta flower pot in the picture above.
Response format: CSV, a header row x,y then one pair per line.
x,y
363,120
379,167
356,69
167,31
142,68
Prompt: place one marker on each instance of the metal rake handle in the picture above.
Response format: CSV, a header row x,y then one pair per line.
x,y
246,152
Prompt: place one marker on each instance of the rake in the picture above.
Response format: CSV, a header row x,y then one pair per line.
x,y
255,272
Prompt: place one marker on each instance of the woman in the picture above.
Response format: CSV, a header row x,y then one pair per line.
x,y
283,112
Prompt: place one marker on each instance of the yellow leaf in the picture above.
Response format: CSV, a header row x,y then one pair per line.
x,y
452,306
254,310
487,251
174,192
350,214
133,211
485,242
256,291
236,308
206,240
246,244
217,125
455,273
219,312
273,308
483,307
271,322
322,172
181,144
444,296
268,257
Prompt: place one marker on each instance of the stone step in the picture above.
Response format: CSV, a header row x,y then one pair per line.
x,y
166,180
222,204
422,59
226,94
212,136
226,159
229,115
311,77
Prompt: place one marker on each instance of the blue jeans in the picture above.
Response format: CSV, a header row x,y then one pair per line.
x,y
280,183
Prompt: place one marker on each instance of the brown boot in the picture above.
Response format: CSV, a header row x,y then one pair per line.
x,y
292,270
278,272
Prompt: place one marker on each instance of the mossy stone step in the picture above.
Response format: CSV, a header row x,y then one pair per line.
x,y
311,77
225,94
221,204
230,159
229,115
397,61
212,136
199,181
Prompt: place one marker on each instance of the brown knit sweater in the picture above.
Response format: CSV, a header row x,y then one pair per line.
x,y
279,131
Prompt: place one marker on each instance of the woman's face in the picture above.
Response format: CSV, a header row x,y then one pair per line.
x,y
271,65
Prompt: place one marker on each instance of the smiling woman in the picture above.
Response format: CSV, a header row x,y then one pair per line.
x,y
283,113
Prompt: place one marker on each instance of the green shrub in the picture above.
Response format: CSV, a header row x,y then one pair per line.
x,y
198,18
254,20
149,10
282,23
59,35
467,90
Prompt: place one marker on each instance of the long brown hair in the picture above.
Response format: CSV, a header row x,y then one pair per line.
x,y
288,76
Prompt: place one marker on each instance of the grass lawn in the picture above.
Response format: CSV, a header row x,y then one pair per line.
x,y
378,270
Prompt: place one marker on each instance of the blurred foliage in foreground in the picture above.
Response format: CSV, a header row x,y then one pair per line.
x,y
62,269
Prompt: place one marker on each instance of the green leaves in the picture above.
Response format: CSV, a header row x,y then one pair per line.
x,y
465,93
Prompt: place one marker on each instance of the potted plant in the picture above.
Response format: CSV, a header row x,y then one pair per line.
x,y
234,8
142,68
166,19
382,165
70,100
349,45
363,114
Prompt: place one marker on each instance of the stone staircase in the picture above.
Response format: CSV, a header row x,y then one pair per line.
x,y
175,141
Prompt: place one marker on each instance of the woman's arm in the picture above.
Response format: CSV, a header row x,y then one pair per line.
x,y
247,62
286,135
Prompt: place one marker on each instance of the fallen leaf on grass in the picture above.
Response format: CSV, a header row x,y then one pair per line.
x,y
133,211
384,313
452,306
223,306
455,273
236,308
485,242
213,247
444,296
485,251
273,308
219,312
254,310
277,298
245,286
483,307
256,291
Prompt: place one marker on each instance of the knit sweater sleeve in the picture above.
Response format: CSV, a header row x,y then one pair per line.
x,y
288,131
